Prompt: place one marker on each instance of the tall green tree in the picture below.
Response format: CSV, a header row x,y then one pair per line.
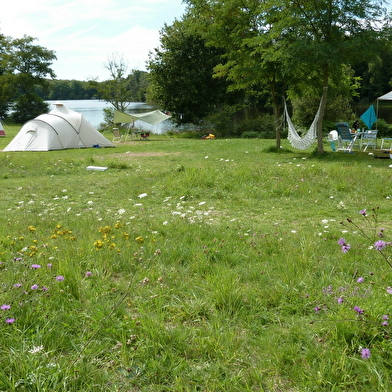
x,y
181,74
240,29
319,38
26,66
292,41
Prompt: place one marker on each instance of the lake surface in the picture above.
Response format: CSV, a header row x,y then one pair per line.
x,y
92,111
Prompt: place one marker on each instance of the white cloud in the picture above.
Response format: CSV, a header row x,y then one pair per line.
x,y
85,33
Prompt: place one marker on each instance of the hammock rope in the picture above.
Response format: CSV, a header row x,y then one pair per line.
x,y
302,142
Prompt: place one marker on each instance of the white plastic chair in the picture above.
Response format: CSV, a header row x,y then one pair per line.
x,y
369,139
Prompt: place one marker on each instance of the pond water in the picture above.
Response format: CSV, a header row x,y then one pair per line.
x,y
92,111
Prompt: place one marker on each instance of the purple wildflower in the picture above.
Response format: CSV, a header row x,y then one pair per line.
x,y
389,290
340,300
59,278
358,309
5,307
384,323
360,280
9,320
44,288
317,309
385,317
363,212
365,353
34,287
342,241
346,248
35,266
88,273
380,245
49,265
17,285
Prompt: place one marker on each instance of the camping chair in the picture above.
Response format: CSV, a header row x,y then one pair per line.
x,y
386,139
145,136
117,137
369,139
345,138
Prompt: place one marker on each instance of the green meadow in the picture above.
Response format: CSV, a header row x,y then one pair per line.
x,y
195,265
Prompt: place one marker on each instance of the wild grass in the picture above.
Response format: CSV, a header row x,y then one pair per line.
x,y
194,265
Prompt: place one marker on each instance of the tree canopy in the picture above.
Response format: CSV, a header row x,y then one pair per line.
x,y
24,67
286,47
181,74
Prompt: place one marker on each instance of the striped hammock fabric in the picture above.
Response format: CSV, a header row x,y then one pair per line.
x,y
302,142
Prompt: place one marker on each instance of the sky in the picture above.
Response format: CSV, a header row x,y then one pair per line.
x,y
86,34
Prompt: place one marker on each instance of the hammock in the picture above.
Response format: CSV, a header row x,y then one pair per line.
x,y
304,142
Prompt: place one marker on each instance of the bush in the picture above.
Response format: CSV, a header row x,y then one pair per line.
x,y
384,129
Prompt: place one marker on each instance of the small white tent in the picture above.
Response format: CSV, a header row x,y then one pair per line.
x,y
59,129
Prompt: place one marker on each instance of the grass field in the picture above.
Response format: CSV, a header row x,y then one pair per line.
x,y
193,265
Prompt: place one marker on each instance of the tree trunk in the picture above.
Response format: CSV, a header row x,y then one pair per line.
x,y
324,97
276,114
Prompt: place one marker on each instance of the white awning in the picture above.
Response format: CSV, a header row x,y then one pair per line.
x,y
386,97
